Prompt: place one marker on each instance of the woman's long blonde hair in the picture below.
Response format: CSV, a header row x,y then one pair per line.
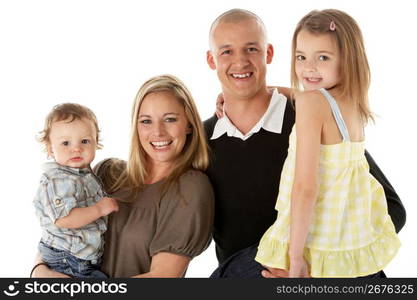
x,y
355,75
195,152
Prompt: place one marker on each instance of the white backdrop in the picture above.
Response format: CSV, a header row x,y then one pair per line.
x,y
98,53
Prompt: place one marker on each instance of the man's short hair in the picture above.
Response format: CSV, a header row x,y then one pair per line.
x,y
236,15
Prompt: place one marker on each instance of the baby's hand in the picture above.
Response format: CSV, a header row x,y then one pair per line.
x,y
107,205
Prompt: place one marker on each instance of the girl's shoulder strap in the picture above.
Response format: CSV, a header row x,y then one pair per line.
x,y
336,114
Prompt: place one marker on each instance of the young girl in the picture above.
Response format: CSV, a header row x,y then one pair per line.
x,y
70,202
333,219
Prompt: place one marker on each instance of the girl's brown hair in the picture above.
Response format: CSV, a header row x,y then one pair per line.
x,y
354,68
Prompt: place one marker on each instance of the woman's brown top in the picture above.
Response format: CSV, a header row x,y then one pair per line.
x,y
179,222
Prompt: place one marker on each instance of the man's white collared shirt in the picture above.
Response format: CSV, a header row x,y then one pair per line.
x,y
271,121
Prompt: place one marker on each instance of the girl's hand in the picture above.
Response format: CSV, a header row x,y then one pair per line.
x,y
299,269
219,106
287,92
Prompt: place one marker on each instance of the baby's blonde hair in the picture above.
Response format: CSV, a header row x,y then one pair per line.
x,y
67,112
355,74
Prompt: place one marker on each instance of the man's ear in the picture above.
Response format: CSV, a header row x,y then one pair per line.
x,y
210,60
269,53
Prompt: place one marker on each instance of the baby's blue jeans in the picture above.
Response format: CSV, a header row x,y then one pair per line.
x,y
64,262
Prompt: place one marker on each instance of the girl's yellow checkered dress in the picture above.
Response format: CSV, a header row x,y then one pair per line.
x,y
351,233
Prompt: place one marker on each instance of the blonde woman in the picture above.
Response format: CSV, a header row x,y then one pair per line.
x,y
166,202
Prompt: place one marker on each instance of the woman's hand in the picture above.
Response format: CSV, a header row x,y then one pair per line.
x,y
43,271
299,269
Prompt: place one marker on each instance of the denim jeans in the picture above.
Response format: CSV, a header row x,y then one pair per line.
x,y
242,264
63,262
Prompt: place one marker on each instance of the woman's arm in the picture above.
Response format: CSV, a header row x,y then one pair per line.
x,y
43,271
305,187
166,265
185,224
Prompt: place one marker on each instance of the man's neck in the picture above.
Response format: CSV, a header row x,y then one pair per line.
x,y
244,113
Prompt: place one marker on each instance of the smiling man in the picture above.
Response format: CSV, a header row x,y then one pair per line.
x,y
239,52
249,144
